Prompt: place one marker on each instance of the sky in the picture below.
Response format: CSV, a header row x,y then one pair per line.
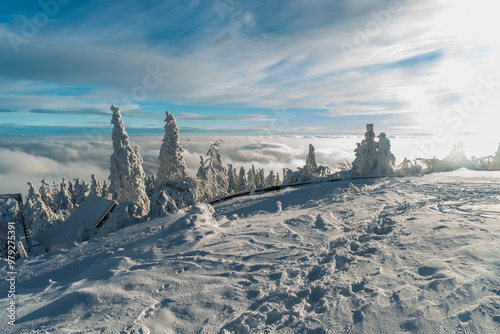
x,y
426,70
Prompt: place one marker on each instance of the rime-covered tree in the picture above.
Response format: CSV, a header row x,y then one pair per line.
x,y
95,186
260,178
365,162
63,204
71,191
242,180
38,216
311,159
496,159
150,185
46,194
174,188
251,178
81,191
407,167
454,160
310,170
385,159
232,179
213,173
127,175
105,190
271,179
172,165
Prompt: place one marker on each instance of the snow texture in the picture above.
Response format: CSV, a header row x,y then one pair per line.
x,y
388,255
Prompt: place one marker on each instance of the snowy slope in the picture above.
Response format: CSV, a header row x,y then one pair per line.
x,y
391,255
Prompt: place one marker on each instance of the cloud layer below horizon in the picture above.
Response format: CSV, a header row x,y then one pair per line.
x,y
29,159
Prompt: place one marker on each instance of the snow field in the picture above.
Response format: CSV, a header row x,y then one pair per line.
x,y
391,255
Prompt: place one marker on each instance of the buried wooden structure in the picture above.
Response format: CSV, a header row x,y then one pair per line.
x,y
89,214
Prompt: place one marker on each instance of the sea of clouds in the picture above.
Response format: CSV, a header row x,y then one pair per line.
x,y
53,158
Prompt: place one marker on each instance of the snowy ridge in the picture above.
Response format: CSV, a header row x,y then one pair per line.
x,y
386,255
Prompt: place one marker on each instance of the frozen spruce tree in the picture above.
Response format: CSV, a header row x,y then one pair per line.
x,y
454,160
47,195
105,191
272,179
242,180
495,163
127,176
95,186
174,188
172,165
311,159
150,185
366,154
309,171
63,204
212,172
251,176
386,160
261,178
232,179
81,191
38,216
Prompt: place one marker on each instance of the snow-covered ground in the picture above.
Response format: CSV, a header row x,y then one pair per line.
x,y
390,255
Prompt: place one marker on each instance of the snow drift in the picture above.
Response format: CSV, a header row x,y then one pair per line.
x,y
389,255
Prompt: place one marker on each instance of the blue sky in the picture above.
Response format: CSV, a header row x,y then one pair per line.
x,y
248,67
269,77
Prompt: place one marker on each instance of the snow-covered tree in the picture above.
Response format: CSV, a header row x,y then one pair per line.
x,y
174,188
242,180
260,178
37,215
272,179
213,173
496,159
407,167
366,153
455,159
63,204
309,171
150,185
251,177
172,165
71,191
232,179
95,186
127,175
105,190
311,159
81,191
47,195
385,159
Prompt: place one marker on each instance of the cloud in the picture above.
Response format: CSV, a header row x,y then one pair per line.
x,y
251,117
17,168
31,159
86,112
6,110
251,55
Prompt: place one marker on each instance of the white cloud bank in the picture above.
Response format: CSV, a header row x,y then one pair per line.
x,y
32,159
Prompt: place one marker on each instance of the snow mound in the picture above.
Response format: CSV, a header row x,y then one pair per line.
x,y
200,216
413,254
